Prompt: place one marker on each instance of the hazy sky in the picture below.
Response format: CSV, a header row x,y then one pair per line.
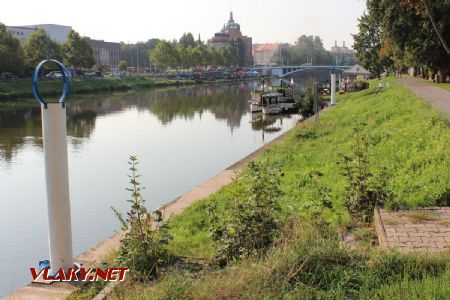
x,y
132,20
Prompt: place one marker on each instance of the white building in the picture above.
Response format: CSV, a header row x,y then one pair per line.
x,y
56,32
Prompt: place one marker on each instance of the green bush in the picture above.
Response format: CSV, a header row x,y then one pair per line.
x,y
249,224
364,191
144,248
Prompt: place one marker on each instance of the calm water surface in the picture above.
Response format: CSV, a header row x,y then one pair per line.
x,y
182,137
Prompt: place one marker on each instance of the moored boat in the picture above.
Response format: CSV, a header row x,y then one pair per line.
x,y
271,103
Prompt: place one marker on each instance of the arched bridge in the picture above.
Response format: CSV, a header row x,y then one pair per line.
x,y
286,71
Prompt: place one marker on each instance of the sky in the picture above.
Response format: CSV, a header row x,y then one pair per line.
x,y
132,20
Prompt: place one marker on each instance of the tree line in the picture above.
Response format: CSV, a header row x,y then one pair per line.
x,y
396,34
19,59
310,49
185,52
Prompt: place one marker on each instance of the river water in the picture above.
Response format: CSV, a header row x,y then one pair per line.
x,y
181,136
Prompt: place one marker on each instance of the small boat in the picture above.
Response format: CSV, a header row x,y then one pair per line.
x,y
256,97
287,100
271,103
255,102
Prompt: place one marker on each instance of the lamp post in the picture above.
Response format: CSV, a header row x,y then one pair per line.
x,y
137,58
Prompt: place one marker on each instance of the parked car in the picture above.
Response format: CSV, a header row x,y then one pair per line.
x,y
118,74
252,74
54,75
7,76
95,75
186,75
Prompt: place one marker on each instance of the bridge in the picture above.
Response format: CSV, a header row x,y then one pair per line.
x,y
287,71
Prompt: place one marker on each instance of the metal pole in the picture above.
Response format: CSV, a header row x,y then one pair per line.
x,y
57,179
54,134
333,88
316,101
137,58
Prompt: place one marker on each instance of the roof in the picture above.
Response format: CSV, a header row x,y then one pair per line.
x,y
357,70
269,47
272,95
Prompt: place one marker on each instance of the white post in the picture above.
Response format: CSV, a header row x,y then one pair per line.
x,y
57,178
333,89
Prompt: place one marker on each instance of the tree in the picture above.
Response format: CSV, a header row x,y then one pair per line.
x,y
40,46
11,57
165,54
123,65
187,39
407,32
215,58
77,52
309,49
368,43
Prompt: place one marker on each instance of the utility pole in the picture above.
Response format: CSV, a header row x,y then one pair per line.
x,y
137,58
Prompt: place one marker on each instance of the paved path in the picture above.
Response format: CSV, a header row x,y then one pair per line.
x,y
437,97
424,230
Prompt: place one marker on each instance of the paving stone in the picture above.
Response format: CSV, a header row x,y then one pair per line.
x,y
405,236
419,234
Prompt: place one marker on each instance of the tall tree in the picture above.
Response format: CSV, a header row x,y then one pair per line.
x,y
367,43
40,46
309,49
76,51
164,54
187,39
11,57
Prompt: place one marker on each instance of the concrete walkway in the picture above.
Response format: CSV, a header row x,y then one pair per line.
x,y
437,97
422,230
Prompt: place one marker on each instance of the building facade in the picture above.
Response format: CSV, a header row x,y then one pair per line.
x,y
231,32
106,54
343,55
265,54
58,33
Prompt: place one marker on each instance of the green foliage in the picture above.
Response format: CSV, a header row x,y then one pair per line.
x,y
409,142
368,44
167,54
186,40
318,203
123,65
307,49
249,224
365,191
143,249
77,52
403,31
40,46
308,263
307,103
11,56
164,54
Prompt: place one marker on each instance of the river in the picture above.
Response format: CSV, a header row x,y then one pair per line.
x,y
181,136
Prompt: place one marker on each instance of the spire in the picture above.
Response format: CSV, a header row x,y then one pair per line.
x,y
231,17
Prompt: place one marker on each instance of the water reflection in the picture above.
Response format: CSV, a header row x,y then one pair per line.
x,y
20,126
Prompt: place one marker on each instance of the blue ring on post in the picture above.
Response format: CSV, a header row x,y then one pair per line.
x,y
67,79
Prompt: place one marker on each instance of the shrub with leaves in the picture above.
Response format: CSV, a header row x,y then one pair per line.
x,y
249,225
365,190
307,102
318,201
143,249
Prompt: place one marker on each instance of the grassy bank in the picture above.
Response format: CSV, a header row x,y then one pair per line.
x,y
409,143
445,86
409,148
22,88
